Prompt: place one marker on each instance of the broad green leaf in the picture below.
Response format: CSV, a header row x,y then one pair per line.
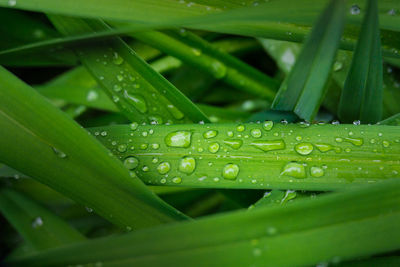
x,y
38,226
198,53
332,227
303,89
264,155
42,142
141,93
361,97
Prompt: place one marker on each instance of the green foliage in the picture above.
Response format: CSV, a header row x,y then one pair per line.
x,y
199,157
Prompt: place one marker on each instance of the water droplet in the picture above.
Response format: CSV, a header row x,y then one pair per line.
x,y
357,122
269,145
163,168
187,165
385,143
143,146
354,141
213,147
324,147
294,169
88,209
155,146
392,12
155,119
120,78
229,134
12,3
103,133
37,222
240,128
210,134
117,60
117,88
304,148
256,133
299,138
272,230
178,139
355,10
317,172
218,69
131,163
59,153
137,101
145,168
338,65
122,148
267,125
177,180
134,126
175,112
233,143
230,171
92,96
196,52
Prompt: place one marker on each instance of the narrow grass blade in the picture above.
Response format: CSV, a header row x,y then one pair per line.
x,y
133,85
38,226
303,89
45,144
333,227
200,54
361,97
394,120
316,157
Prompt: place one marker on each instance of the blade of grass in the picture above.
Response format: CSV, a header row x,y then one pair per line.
x,y
303,89
269,20
38,226
328,226
134,86
316,157
45,144
394,120
361,97
198,53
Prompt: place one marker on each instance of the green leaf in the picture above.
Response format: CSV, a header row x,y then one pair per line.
x,y
133,85
202,55
38,226
303,89
361,97
332,227
316,157
42,142
394,120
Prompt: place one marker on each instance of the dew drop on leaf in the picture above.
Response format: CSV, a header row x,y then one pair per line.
x,y
230,171
178,139
187,165
131,163
163,168
294,169
304,148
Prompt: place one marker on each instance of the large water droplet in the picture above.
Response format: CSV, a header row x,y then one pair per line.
x,y
240,128
131,163
269,145
134,126
256,133
163,167
210,134
267,125
187,165
354,141
324,147
122,148
304,148
178,139
230,171
294,169
213,147
137,101
233,143
317,172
